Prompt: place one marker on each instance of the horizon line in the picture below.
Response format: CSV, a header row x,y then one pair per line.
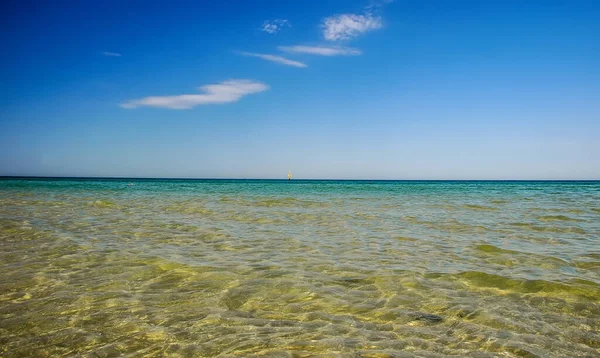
x,y
274,179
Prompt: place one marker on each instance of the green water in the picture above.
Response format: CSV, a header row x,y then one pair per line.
x,y
182,268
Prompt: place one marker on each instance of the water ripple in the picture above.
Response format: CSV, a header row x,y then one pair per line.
x,y
254,269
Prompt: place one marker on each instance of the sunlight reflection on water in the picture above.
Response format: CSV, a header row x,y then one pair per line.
x,y
275,268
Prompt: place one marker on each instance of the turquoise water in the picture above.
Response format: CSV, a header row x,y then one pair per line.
x,y
299,269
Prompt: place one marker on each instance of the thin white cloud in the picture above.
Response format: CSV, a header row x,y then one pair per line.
x,y
277,59
274,26
378,4
111,54
347,26
322,50
218,93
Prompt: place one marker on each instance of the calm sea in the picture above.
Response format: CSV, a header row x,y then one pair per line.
x,y
243,268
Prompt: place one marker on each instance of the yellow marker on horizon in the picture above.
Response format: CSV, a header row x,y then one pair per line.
x,y
290,175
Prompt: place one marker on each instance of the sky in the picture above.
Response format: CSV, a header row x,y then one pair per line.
x,y
348,89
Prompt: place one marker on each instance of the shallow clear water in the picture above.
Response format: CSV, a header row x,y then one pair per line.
x,y
299,269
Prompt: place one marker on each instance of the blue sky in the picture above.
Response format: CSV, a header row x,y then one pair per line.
x,y
327,89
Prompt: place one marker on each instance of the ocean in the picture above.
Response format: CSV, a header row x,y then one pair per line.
x,y
300,268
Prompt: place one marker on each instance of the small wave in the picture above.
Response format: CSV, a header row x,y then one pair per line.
x,y
574,288
557,218
179,227
186,208
514,256
451,225
290,202
559,210
253,219
588,265
588,261
493,249
479,207
103,204
404,238
354,282
555,229
593,256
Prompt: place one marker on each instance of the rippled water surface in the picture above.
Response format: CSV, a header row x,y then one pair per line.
x,y
222,268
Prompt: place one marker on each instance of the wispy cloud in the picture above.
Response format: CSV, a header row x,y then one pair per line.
x,y
322,50
224,92
347,26
274,26
377,4
273,58
111,54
